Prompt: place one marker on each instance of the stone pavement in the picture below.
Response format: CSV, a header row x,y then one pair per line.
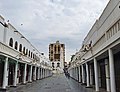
x,y
56,83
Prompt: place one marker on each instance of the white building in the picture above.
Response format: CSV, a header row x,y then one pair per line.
x,y
97,62
20,61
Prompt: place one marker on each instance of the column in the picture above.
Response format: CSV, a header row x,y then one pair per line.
x,y
41,72
99,76
72,72
38,73
35,73
83,75
96,75
15,77
5,75
87,72
107,75
79,74
76,73
112,71
91,75
24,78
30,74
45,72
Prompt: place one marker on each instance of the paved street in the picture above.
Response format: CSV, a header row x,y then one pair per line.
x,y
56,83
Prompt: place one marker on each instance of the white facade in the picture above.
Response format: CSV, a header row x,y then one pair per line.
x,y
101,43
20,61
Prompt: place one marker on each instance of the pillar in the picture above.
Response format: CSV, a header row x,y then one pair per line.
x,y
15,77
96,75
87,72
107,75
38,74
35,73
5,75
74,72
41,72
24,77
30,74
79,74
91,75
99,75
45,72
83,74
112,71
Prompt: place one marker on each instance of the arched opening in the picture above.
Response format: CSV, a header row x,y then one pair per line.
x,y
53,64
11,42
16,45
20,48
29,53
58,64
24,50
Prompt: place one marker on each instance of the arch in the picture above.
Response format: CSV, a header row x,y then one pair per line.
x,y
33,56
20,47
29,53
11,42
24,50
53,64
58,64
16,45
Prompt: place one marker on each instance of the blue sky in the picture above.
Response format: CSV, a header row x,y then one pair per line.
x,y
45,21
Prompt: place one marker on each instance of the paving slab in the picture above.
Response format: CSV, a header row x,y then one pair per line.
x,y
56,83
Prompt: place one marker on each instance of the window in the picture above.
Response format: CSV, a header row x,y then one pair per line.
x,y
11,42
56,56
29,53
51,52
16,45
58,64
62,45
55,48
51,59
20,48
53,65
33,56
59,49
24,50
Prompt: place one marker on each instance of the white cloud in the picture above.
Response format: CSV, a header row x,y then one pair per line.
x,y
51,20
